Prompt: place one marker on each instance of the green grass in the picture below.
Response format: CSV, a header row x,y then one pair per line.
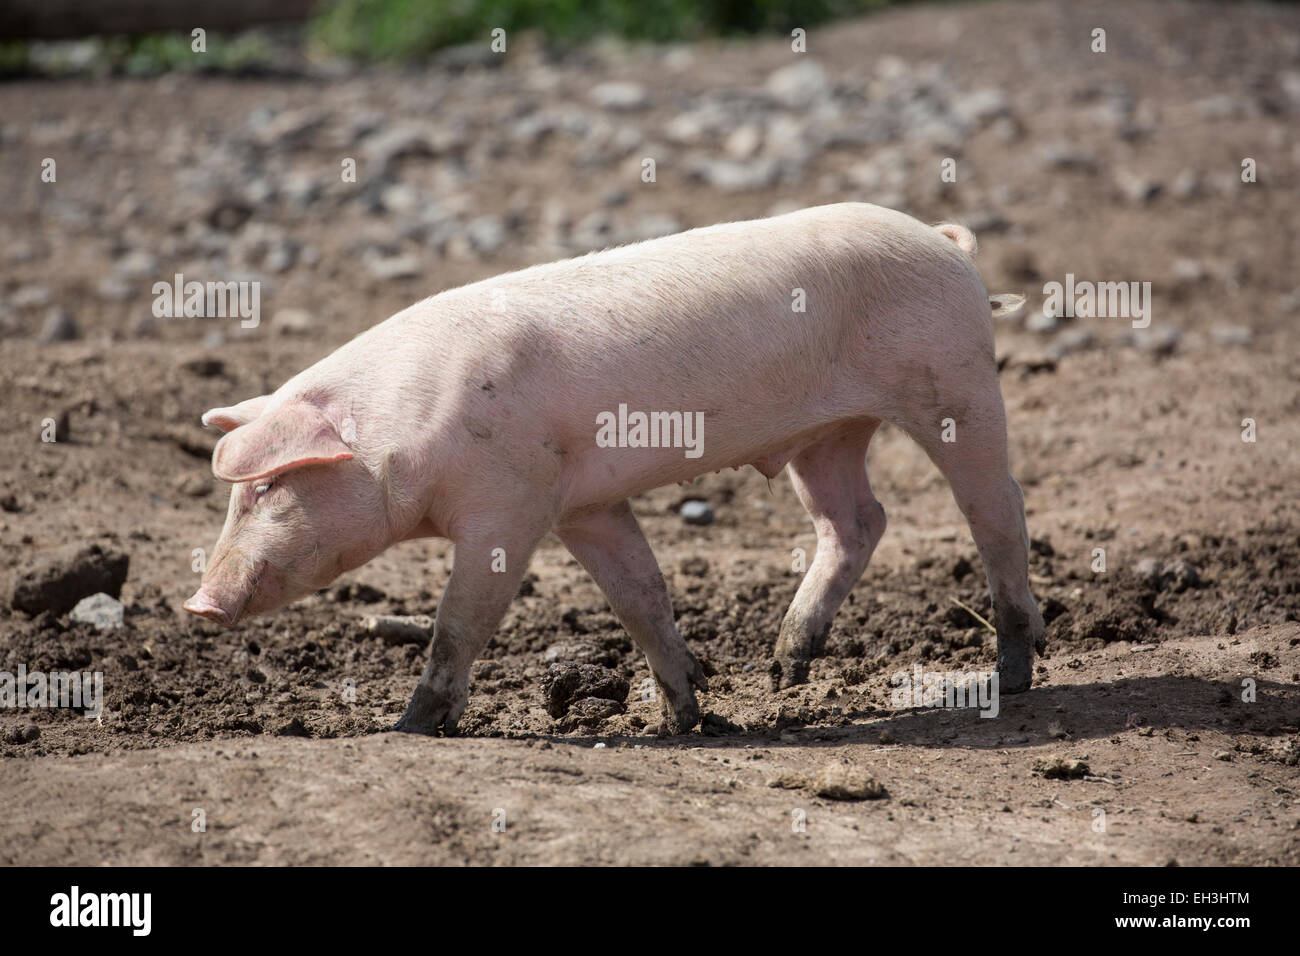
x,y
406,29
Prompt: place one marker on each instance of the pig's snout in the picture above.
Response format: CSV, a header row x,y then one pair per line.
x,y
200,604
223,597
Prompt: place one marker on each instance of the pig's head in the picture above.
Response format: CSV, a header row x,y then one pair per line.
x,y
302,510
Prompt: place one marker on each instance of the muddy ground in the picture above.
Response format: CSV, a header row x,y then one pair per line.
x,y
1121,166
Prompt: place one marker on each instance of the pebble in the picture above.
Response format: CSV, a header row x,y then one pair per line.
x,y
388,268
102,611
59,326
1224,334
1162,341
620,97
292,322
696,512
1071,341
798,85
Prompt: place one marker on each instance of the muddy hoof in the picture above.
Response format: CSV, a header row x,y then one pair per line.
x,y
406,726
788,672
1015,674
430,712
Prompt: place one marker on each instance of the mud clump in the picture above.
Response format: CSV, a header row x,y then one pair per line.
x,y
1059,768
566,686
837,780
57,582
840,781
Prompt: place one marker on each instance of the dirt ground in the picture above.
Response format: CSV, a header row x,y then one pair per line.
x,y
1140,743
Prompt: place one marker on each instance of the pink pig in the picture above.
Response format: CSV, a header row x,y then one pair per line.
x,y
474,415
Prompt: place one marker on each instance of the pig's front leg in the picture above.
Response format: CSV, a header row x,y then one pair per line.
x,y
472,606
610,545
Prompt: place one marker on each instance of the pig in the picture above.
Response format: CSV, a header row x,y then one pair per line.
x,y
474,415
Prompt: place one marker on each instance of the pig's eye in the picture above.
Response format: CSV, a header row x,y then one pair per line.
x,y
263,489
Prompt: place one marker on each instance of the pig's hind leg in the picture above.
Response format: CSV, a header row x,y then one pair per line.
x,y
976,465
830,478
611,546
477,595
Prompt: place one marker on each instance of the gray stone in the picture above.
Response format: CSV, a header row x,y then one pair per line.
x,y
799,85
59,326
1225,334
696,512
620,97
103,612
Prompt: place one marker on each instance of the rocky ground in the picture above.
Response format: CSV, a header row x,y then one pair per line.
x,y
1142,741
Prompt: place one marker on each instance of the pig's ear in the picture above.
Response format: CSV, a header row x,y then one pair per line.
x,y
228,419
294,435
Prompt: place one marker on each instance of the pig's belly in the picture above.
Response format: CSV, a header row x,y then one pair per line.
x,y
605,475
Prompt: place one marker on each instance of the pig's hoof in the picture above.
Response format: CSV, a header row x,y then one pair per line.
x,y
681,718
1015,673
407,726
430,712
788,672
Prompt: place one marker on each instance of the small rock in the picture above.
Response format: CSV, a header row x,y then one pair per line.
x,y
1224,334
1186,185
388,268
1135,188
136,264
982,106
1160,342
59,327
620,97
1065,156
799,85
744,141
1071,341
1042,322
103,612
282,257
734,177
116,289
228,214
31,297
486,234
696,512
292,322
1188,270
